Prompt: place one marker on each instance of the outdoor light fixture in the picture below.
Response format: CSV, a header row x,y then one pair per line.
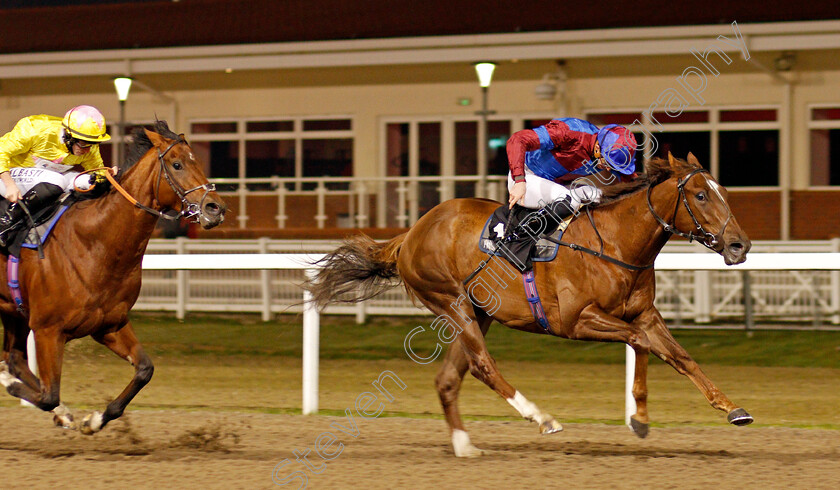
x,y
123,85
484,70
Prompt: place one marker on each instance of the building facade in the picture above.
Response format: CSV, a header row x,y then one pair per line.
x,y
371,131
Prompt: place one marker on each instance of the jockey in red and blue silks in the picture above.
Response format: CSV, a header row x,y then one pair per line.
x,y
543,159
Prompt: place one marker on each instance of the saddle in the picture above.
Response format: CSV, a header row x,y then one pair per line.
x,y
24,235
525,250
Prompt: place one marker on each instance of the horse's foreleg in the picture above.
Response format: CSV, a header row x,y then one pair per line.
x,y
663,345
448,383
123,343
595,324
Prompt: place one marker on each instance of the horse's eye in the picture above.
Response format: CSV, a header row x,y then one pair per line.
x,y
701,196
177,165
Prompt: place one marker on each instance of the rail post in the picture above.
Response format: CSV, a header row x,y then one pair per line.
x,y
265,283
311,338
748,303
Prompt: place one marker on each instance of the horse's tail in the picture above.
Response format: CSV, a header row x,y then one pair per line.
x,y
358,270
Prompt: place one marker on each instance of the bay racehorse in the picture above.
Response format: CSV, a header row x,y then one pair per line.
x,y
90,275
584,297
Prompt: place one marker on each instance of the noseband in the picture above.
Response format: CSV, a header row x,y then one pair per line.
x,y
707,239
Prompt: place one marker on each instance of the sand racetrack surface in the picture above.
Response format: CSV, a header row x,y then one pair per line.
x,y
201,449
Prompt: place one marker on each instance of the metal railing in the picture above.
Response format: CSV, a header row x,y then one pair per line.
x,y
682,296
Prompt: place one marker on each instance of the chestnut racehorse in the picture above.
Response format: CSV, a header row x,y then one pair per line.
x,y
584,297
90,275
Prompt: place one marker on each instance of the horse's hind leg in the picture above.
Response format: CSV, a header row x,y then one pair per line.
x,y
123,343
481,364
49,346
448,383
663,345
16,333
14,350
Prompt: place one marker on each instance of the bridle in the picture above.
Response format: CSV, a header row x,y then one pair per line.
x,y
188,210
704,237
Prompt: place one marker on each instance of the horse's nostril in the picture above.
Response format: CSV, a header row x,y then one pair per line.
x,y
212,209
736,247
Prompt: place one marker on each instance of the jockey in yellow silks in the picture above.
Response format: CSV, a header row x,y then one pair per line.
x,y
42,156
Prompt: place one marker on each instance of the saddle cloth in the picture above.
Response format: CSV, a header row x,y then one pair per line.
x,y
496,224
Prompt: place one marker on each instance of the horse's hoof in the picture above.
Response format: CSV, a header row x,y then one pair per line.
x,y
91,424
550,427
641,429
65,422
462,445
62,417
739,416
469,452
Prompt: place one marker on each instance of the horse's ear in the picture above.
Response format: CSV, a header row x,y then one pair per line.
x,y
691,159
156,139
672,161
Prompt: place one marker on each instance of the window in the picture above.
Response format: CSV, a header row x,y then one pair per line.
x,y
747,140
447,148
283,147
466,156
825,146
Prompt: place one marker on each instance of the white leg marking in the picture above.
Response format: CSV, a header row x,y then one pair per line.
x,y
462,445
527,409
96,421
91,424
7,379
531,412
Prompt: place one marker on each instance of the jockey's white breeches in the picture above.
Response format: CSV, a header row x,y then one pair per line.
x,y
27,177
539,192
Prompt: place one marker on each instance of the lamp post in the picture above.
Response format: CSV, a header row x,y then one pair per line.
x,y
123,85
484,70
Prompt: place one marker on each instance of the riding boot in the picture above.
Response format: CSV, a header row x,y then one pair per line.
x,y
521,241
14,213
544,220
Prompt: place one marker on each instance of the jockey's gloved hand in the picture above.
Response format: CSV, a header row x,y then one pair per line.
x,y
586,194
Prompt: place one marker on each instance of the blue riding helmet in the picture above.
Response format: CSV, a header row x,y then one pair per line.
x,y
618,147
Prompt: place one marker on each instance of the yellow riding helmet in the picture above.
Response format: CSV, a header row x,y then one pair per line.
x,y
85,123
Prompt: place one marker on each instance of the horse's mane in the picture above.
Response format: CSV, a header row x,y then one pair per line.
x,y
657,170
139,143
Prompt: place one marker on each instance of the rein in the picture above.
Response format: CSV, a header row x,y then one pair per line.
x,y
600,254
188,209
707,239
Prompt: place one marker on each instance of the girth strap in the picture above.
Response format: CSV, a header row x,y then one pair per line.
x,y
12,267
534,300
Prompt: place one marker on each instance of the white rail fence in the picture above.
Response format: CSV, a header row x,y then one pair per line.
x,y
684,295
678,262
